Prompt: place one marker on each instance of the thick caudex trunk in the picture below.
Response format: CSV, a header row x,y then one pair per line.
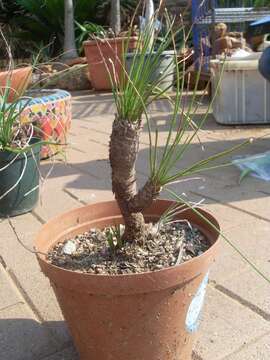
x,y
124,146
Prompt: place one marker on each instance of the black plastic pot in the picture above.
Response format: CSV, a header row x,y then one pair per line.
x,y
24,196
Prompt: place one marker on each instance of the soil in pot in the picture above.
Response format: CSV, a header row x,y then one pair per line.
x,y
165,246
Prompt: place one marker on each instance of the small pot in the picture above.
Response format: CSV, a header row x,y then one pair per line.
x,y
24,197
165,70
104,55
17,80
148,316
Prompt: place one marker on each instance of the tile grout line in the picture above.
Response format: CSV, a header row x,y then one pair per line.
x,y
85,172
24,295
19,289
27,301
245,346
82,202
12,305
231,206
241,301
38,217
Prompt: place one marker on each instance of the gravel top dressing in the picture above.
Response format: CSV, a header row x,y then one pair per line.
x,y
90,252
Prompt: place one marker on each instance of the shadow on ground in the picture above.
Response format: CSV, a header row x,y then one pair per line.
x,y
95,175
23,344
27,339
162,123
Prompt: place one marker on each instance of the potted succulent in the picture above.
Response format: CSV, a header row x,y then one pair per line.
x,y
106,51
130,275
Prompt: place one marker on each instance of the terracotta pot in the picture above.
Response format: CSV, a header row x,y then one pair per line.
x,y
17,80
99,55
148,316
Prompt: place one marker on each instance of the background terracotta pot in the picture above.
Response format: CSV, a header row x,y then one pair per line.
x,y
149,316
100,56
17,80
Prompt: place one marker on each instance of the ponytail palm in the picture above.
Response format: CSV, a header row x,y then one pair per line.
x,y
132,95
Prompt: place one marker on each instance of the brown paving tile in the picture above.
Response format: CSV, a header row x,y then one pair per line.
x,y
9,295
226,326
22,337
24,266
256,350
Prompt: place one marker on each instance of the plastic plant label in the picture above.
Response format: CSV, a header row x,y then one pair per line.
x,y
195,308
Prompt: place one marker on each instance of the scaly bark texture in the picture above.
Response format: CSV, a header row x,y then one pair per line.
x,y
124,147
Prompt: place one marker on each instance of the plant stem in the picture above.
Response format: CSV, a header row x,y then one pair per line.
x,y
124,146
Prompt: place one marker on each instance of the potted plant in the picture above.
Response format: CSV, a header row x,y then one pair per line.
x,y
106,51
19,158
118,268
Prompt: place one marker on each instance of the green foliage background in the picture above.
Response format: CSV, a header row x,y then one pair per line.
x,y
32,24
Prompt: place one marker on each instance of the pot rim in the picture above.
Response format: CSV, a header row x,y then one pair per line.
x,y
16,70
36,149
42,259
105,40
169,53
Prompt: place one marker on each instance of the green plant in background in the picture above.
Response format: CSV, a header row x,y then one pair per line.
x,y
262,3
9,10
87,30
38,22
42,21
